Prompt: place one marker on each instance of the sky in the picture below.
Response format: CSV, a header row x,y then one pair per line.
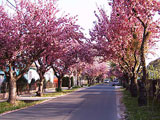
x,y
85,11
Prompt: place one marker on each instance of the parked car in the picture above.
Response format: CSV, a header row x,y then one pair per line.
x,y
116,83
106,81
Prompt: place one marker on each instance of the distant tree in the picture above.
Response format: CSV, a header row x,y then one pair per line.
x,y
94,71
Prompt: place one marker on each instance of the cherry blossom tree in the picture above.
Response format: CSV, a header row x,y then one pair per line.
x,y
61,56
14,60
111,42
61,65
129,21
8,47
85,55
28,35
94,71
141,14
73,53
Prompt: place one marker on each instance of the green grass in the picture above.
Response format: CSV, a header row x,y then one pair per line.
x,y
135,112
5,106
55,94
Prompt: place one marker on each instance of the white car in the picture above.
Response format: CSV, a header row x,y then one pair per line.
x,y
106,81
116,83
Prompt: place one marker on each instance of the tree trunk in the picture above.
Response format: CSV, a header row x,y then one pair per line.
x,y
126,81
69,83
40,87
92,81
142,100
18,91
59,84
133,86
89,82
12,90
77,80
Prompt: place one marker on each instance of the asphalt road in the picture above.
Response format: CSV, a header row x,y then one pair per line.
x,y
94,103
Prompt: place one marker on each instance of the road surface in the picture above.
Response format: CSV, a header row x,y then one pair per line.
x,y
94,103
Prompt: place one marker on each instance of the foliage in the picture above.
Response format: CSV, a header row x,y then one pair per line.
x,y
153,74
95,70
154,65
35,33
153,69
127,33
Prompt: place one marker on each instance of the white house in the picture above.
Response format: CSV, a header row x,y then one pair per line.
x,y
32,74
1,77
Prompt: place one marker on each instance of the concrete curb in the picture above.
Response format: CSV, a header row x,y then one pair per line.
x,y
120,106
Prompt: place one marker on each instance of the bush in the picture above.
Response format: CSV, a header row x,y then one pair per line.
x,y
44,84
49,84
33,81
65,81
72,82
58,90
32,85
4,87
22,84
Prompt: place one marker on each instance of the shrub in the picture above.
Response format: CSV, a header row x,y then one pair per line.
x,y
4,87
22,84
49,84
32,85
65,81
58,89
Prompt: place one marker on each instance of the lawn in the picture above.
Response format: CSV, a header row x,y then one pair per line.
x,y
4,106
134,112
55,94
